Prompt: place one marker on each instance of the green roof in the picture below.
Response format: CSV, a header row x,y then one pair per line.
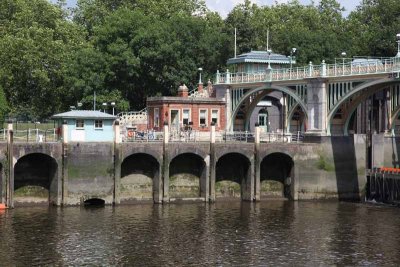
x,y
260,57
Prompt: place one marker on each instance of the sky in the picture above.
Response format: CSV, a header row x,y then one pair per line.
x,y
223,7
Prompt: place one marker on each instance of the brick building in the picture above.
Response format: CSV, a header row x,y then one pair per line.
x,y
196,111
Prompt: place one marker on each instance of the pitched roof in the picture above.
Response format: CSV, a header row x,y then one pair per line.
x,y
84,114
260,57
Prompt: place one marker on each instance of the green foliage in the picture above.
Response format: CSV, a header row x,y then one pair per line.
x,y
323,164
126,50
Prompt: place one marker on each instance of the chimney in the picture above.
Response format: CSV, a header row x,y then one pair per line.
x,y
183,91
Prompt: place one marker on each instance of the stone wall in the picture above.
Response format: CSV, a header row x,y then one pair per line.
x,y
334,168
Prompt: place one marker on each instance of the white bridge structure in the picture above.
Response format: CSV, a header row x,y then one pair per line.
x,y
356,95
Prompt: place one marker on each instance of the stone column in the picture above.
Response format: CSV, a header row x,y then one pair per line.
x,y
165,175
117,132
316,107
10,159
212,165
257,163
64,183
117,163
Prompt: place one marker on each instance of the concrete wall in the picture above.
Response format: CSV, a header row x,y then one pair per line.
x,y
118,173
88,172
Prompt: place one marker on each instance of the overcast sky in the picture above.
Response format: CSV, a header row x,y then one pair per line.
x,y
224,6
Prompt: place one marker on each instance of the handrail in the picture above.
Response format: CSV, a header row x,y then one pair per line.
x,y
388,65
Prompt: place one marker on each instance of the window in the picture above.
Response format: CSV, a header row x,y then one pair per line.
x,y
215,116
185,116
203,117
98,124
156,117
79,124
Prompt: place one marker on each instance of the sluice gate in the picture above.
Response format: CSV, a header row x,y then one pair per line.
x,y
383,185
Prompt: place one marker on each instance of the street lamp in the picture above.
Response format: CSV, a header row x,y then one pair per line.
x,y
398,44
343,54
291,56
113,107
200,70
104,106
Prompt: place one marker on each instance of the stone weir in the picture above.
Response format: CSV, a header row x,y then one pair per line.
x,y
75,173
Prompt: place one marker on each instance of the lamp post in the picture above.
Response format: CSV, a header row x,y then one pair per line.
x,y
291,56
398,45
104,106
343,54
113,107
200,70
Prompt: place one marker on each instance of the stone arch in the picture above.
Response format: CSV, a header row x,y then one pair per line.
x,y
364,86
138,173
277,176
35,179
233,176
283,89
187,176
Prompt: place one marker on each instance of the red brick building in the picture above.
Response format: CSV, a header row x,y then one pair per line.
x,y
197,111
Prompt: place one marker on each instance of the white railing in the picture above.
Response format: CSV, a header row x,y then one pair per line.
x,y
31,135
388,65
133,117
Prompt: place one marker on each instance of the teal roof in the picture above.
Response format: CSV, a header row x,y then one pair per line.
x,y
260,57
84,114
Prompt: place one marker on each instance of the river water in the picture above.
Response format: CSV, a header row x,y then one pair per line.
x,y
269,233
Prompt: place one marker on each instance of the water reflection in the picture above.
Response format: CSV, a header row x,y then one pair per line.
x,y
225,233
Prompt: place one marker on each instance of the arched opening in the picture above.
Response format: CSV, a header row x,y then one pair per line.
x,y
138,173
187,173
94,202
247,103
276,176
35,179
232,174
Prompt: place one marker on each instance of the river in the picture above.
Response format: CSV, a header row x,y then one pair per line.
x,y
270,233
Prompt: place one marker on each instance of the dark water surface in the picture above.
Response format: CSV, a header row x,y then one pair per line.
x,y
224,234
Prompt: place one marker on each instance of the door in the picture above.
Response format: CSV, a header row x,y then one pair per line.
x,y
175,120
263,121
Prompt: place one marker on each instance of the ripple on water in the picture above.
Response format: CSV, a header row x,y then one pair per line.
x,y
223,234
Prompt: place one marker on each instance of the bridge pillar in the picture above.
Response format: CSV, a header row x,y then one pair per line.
x,y
10,162
257,163
316,107
212,167
166,161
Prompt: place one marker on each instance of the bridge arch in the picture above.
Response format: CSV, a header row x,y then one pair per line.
x,y
138,173
270,87
277,176
378,84
233,174
187,176
36,179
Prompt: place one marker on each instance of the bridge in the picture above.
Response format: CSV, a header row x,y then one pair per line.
x,y
355,96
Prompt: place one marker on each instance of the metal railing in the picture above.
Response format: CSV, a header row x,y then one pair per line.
x,y
388,65
31,135
205,136
142,136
